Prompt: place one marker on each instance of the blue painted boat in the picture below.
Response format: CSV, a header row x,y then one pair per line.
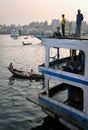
x,y
65,97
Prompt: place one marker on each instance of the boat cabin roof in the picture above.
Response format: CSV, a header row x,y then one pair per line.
x,y
66,43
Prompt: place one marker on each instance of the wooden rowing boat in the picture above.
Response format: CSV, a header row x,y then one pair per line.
x,y
24,74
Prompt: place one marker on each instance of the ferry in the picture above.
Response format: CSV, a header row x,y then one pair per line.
x,y
65,94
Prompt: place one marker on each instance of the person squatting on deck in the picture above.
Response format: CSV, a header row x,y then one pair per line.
x,y
63,21
79,19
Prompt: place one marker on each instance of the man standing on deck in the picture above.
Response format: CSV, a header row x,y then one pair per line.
x,y
63,21
79,19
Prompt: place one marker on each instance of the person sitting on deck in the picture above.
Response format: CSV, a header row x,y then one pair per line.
x,y
57,33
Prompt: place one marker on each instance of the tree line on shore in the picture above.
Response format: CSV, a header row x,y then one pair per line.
x,y
36,27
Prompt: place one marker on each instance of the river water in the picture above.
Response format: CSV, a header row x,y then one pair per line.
x,y
16,113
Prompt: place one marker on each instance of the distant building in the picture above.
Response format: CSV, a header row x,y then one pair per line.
x,y
55,24
14,33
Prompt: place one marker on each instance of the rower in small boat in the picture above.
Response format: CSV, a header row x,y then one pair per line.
x,y
11,66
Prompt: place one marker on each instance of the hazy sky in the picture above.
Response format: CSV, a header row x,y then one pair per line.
x,y
26,11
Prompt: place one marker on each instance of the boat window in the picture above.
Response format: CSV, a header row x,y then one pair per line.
x,y
68,60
